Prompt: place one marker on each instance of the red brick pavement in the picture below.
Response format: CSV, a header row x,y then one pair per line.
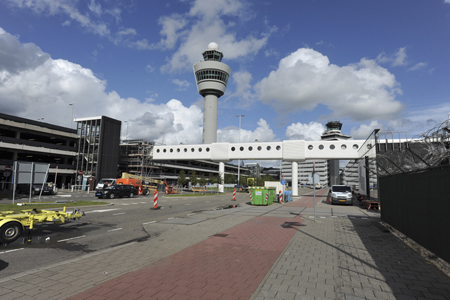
x,y
221,267
307,200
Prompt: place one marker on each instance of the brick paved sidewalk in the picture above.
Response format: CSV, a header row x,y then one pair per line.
x,y
351,258
229,265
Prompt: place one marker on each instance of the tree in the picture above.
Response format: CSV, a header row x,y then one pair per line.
x,y
202,181
182,178
194,178
230,178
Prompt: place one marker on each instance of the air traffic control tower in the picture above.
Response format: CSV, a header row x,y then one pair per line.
x,y
211,76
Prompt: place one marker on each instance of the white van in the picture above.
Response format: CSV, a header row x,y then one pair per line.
x,y
108,181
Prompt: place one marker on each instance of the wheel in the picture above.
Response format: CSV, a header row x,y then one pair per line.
x,y
10,232
111,196
146,192
131,195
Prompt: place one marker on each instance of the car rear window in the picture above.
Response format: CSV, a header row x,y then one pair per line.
x,y
341,189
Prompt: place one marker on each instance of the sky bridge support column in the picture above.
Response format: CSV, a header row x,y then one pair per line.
x,y
294,178
222,176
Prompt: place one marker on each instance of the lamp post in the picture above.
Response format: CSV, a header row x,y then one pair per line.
x,y
126,138
71,121
239,161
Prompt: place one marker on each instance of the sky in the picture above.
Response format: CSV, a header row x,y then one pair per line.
x,y
295,65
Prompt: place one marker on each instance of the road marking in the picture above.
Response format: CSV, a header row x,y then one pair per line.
x,y
101,210
143,202
125,204
74,238
11,250
149,222
322,217
118,214
191,214
115,229
170,218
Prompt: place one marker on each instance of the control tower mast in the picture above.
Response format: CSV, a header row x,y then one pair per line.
x,y
211,76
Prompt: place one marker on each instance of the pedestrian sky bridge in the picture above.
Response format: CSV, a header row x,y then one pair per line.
x,y
290,150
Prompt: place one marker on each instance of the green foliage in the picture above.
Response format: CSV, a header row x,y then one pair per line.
x,y
230,178
182,178
202,181
193,177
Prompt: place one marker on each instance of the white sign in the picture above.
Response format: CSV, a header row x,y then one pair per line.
x,y
314,178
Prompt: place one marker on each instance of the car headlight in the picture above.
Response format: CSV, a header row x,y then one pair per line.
x,y
333,195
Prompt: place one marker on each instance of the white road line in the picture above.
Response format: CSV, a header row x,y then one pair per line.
x,y
170,218
101,210
8,251
143,202
74,238
322,217
118,214
115,229
191,214
125,204
149,222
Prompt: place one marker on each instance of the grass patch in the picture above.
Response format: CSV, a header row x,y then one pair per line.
x,y
47,205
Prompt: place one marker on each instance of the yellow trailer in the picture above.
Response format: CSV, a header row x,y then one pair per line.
x,y
12,224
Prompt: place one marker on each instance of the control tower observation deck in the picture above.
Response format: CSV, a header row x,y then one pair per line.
x,y
211,76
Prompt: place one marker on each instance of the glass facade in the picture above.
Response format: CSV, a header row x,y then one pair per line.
x,y
212,74
212,55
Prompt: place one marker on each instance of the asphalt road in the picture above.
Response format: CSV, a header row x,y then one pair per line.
x,y
102,227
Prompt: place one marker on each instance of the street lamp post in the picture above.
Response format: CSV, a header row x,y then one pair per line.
x,y
239,161
71,121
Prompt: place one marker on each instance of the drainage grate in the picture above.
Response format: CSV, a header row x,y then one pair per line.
x,y
220,234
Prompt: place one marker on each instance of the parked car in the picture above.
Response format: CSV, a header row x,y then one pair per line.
x,y
117,191
24,188
340,194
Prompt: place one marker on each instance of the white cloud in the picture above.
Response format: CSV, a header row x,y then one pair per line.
x,y
396,59
95,7
400,57
306,78
206,24
66,8
418,66
307,132
32,85
182,84
364,130
262,133
243,88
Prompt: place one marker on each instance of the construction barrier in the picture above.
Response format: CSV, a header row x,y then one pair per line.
x,y
234,195
280,195
155,199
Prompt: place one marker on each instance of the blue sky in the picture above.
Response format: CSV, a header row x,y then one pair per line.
x,y
295,65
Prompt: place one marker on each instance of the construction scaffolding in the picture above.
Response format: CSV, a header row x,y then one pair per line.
x,y
136,157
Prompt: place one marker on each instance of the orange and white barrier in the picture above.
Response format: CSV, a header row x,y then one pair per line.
x,y
267,197
281,197
234,195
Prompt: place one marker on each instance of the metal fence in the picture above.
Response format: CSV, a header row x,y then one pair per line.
x,y
418,205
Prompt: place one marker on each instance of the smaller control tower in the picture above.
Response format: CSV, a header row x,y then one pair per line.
x,y
211,76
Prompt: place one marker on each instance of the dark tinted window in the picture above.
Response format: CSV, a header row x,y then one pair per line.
x,y
341,189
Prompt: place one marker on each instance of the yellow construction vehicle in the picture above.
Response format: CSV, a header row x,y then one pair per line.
x,y
12,223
